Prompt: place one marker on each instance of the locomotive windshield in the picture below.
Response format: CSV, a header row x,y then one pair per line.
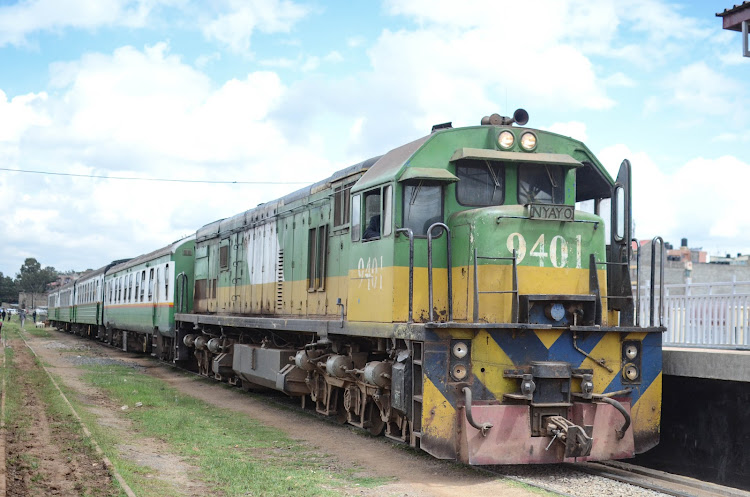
x,y
423,206
541,185
481,183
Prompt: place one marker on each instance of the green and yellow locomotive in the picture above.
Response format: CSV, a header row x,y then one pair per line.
x,y
448,293
467,293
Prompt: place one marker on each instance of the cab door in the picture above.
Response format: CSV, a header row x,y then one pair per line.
x,y
620,248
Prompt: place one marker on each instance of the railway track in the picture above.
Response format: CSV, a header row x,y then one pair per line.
x,y
610,478
658,481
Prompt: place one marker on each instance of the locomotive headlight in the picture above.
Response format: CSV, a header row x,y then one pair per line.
x,y
459,372
528,141
630,372
506,139
631,351
460,349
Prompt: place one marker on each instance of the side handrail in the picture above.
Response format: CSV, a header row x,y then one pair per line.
x,y
410,234
449,266
660,240
637,282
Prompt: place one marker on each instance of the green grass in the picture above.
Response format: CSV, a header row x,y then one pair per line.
x,y
236,455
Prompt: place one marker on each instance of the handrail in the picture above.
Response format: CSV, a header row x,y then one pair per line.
x,y
638,282
660,240
514,291
410,234
449,266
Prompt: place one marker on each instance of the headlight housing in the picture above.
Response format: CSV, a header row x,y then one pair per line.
x,y
459,372
528,141
506,139
630,372
460,349
631,351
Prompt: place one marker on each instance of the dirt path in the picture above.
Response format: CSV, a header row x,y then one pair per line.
x,y
61,355
414,474
43,456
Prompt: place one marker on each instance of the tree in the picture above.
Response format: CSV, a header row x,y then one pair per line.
x,y
8,289
34,279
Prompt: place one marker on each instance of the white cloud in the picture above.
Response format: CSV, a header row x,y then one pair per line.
x,y
140,113
236,27
20,113
694,201
699,88
30,16
204,60
355,41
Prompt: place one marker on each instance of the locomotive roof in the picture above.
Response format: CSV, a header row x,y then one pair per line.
x,y
269,209
594,181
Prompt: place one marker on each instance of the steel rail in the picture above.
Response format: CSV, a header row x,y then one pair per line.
x,y
659,481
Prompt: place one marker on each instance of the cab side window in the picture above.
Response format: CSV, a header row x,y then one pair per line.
x,y
423,206
378,208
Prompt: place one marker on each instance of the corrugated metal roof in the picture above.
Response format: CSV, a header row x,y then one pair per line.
x,y
736,8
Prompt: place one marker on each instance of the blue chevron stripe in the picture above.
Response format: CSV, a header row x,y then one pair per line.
x,y
650,368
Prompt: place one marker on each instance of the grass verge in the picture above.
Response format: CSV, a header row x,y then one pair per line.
x,y
235,455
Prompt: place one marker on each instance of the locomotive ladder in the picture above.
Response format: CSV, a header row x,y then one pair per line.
x,y
514,291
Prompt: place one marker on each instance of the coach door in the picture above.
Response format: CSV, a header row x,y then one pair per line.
x,y
153,291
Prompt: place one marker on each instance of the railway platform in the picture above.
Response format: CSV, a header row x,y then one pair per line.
x,y
705,431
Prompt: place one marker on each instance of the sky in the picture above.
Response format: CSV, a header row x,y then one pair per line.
x,y
274,94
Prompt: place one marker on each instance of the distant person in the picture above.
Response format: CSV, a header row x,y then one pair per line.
x,y
22,317
34,315
373,228
2,316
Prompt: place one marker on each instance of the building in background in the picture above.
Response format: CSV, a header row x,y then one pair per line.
x,y
737,18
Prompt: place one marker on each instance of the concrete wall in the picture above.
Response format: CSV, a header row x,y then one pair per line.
x,y
31,301
704,431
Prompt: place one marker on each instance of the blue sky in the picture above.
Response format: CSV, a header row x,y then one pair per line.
x,y
290,91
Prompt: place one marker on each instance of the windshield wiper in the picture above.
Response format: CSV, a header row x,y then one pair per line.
x,y
551,179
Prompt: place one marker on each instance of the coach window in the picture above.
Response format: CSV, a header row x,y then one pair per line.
x,y
423,206
151,284
541,184
143,284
